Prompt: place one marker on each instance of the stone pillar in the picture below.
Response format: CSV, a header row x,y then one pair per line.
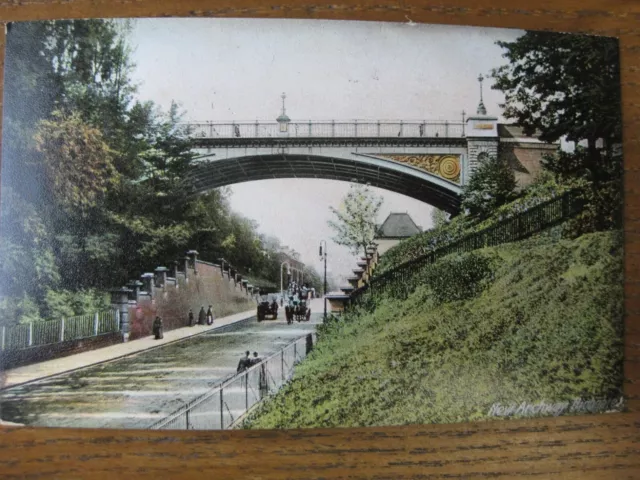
x,y
135,286
175,271
120,301
482,141
186,269
149,284
193,257
161,277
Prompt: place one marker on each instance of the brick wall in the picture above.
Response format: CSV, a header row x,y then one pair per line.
x,y
206,288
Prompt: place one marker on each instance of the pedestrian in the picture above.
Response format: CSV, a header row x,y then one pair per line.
x,y
244,362
210,316
157,328
201,316
191,318
256,359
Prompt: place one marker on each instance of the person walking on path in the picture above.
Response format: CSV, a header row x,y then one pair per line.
x,y
256,359
201,316
244,363
191,318
157,328
210,316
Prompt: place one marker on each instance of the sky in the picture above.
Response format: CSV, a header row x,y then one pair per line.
x,y
236,70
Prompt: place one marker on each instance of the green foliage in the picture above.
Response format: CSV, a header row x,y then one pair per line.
x,y
458,277
544,188
439,217
557,84
76,161
548,326
355,226
104,198
65,303
492,185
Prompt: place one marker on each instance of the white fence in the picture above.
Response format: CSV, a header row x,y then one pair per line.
x,y
222,407
55,331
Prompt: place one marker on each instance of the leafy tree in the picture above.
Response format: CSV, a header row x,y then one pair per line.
x,y
558,85
356,219
77,162
492,185
439,217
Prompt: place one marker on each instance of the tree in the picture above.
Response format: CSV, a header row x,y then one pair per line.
x,y
356,219
492,185
77,163
439,217
558,85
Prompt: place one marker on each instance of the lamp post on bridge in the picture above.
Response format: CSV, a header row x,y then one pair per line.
x,y
323,256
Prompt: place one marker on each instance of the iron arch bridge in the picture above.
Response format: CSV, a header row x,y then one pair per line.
x,y
428,161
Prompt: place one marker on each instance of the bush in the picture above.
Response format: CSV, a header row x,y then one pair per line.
x,y
458,277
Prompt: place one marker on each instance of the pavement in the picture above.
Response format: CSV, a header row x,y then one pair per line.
x,y
36,371
135,384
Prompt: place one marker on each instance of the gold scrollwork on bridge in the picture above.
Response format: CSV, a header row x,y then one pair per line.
x,y
445,166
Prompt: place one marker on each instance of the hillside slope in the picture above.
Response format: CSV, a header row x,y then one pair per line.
x,y
544,323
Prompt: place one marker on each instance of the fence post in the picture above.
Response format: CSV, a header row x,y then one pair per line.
x,y
118,320
221,408
295,352
31,334
4,329
282,363
188,419
246,392
62,330
95,324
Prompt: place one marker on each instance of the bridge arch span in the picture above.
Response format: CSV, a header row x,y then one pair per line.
x,y
384,174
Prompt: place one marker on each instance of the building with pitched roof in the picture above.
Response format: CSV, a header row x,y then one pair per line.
x,y
396,227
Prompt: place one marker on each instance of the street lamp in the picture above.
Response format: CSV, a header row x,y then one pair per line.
x,y
323,256
288,273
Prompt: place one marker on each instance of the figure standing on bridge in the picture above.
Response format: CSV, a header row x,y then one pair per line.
x,y
236,130
210,316
191,318
201,316
422,129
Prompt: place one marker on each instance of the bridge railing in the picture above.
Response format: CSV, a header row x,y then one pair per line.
x,y
328,129
401,280
223,406
54,331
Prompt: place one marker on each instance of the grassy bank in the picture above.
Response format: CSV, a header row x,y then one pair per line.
x,y
532,321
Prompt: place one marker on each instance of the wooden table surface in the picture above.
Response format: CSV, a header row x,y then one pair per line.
x,y
585,447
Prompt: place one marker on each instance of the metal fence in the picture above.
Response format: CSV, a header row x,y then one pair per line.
x,y
323,129
401,280
223,406
55,331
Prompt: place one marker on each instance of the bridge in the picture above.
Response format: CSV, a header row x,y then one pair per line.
x,y
427,160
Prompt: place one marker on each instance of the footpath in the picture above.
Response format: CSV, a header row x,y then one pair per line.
x,y
37,371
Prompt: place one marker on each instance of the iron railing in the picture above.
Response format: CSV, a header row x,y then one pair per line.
x,y
223,406
323,129
54,331
401,279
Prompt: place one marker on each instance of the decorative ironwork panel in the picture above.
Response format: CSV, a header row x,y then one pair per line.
x,y
445,166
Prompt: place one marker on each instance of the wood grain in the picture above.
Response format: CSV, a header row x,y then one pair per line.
x,y
599,446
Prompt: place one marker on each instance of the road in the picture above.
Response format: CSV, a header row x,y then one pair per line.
x,y
135,391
